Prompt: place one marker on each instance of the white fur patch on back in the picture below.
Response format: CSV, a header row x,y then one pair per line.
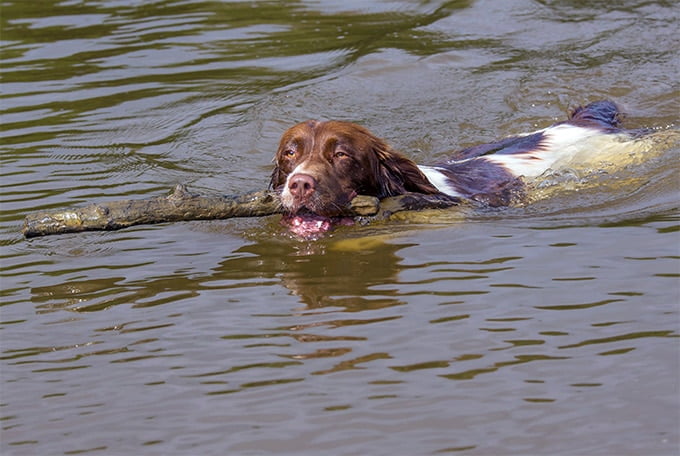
x,y
439,180
560,145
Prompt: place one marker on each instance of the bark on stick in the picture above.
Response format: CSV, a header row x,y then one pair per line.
x,y
182,205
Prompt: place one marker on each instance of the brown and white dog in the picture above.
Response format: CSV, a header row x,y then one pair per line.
x,y
321,166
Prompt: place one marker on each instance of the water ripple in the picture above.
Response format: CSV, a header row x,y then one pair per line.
x,y
550,318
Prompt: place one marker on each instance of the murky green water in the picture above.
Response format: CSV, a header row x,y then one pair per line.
x,y
548,329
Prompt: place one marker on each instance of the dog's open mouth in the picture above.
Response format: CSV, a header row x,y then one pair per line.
x,y
311,226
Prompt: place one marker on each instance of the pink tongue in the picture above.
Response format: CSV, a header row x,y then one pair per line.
x,y
310,226
306,226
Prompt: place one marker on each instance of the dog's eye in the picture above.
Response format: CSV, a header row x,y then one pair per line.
x,y
340,154
290,153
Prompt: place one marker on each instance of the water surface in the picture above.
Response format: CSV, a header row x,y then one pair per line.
x,y
545,329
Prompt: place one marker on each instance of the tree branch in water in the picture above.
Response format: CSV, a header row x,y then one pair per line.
x,y
182,205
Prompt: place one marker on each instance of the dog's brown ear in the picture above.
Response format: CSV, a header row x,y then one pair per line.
x,y
397,174
278,178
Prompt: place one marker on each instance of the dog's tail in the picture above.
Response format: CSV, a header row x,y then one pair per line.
x,y
603,114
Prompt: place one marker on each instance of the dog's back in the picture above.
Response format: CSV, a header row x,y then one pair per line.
x,y
497,172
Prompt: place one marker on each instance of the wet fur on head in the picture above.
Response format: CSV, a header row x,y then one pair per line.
x,y
377,169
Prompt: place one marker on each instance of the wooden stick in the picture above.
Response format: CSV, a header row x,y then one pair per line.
x,y
182,205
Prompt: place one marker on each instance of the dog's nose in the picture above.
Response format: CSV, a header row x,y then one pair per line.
x,y
301,185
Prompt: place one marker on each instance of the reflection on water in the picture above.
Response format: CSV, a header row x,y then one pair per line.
x,y
548,328
349,280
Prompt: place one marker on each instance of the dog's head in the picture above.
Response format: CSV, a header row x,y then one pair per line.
x,y
321,166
